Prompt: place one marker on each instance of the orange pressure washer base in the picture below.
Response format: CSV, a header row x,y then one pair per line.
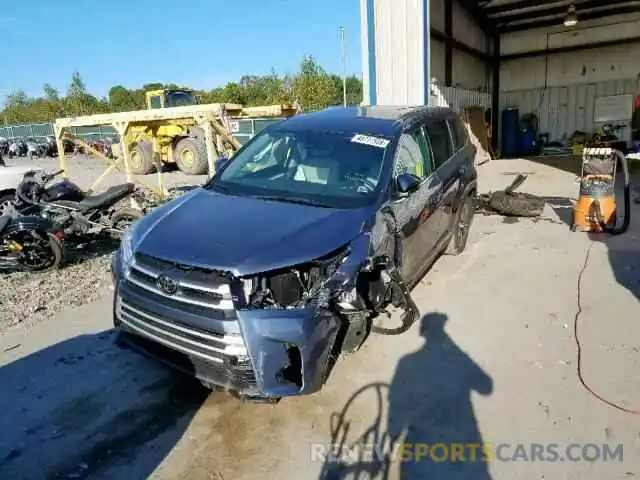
x,y
592,213
596,208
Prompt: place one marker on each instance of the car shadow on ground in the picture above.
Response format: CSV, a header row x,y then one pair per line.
x,y
427,403
83,407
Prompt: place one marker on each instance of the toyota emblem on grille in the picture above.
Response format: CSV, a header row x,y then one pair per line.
x,y
167,284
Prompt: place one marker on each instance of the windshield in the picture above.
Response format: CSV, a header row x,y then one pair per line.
x,y
326,169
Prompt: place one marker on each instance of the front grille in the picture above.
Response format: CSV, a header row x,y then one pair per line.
x,y
186,322
208,291
206,345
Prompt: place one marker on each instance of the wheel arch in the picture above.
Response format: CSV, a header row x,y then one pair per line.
x,y
7,191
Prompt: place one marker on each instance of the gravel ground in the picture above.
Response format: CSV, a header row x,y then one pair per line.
x,y
29,298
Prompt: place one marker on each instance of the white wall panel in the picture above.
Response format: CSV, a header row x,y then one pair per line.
x,y
612,28
437,60
436,10
469,71
563,110
562,69
466,28
399,50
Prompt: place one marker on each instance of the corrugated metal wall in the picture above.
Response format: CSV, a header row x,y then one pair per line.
x,y
458,98
563,110
399,52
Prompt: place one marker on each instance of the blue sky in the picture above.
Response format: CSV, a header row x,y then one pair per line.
x,y
199,43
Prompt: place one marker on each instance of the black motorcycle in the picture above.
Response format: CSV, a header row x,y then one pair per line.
x,y
29,243
72,210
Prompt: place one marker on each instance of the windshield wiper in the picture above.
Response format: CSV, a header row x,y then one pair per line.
x,y
298,200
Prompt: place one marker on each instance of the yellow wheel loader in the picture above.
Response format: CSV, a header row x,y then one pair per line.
x,y
179,142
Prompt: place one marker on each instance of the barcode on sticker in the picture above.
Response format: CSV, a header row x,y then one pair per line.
x,y
369,140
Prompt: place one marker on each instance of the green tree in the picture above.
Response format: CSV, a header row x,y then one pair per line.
x,y
123,100
51,94
313,86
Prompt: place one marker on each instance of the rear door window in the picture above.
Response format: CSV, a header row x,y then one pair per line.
x,y
459,133
440,140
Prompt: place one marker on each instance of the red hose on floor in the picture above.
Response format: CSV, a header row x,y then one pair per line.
x,y
576,322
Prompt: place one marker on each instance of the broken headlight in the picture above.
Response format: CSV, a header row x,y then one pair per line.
x,y
297,286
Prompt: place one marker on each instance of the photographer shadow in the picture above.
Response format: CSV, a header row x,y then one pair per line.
x,y
431,429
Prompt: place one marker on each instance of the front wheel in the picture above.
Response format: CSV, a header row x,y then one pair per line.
x,y
461,227
123,219
33,250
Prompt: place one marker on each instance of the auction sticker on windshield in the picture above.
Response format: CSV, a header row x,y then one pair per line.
x,y
371,141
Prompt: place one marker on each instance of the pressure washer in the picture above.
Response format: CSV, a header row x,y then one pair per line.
x,y
596,210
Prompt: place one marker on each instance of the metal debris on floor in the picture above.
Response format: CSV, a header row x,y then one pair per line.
x,y
510,203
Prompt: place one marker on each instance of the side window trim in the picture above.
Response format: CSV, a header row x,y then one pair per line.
x,y
453,134
452,148
432,159
452,142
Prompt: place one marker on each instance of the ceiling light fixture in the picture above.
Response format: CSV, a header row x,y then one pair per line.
x,y
571,20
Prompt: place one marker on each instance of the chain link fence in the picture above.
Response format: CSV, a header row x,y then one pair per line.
x,y
42,130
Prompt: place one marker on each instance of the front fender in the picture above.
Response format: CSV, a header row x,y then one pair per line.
x,y
30,222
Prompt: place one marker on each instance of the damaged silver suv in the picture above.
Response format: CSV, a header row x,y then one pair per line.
x,y
258,281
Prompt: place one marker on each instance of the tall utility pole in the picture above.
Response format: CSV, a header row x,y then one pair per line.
x,y
344,66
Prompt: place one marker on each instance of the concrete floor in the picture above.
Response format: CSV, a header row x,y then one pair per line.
x,y
502,369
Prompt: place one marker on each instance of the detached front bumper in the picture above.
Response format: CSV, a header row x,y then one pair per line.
x,y
259,353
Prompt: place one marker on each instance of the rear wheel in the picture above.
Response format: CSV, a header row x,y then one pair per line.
x,y
123,219
141,158
191,156
461,227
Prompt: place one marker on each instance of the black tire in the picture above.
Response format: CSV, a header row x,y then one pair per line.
x,y
461,227
124,218
141,158
516,204
57,254
196,151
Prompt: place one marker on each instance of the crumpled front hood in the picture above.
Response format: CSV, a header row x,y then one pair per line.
x,y
243,235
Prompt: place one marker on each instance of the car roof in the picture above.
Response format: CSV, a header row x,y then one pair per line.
x,y
385,121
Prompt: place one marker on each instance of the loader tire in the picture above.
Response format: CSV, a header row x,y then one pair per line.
x,y
516,204
190,155
141,158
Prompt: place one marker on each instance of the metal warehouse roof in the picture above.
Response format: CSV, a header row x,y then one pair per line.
x,y
513,15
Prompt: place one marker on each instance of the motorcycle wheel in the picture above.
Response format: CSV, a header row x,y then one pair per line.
x,y
123,219
41,251
6,203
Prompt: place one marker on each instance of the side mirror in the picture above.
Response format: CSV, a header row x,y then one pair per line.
x,y
407,183
220,163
